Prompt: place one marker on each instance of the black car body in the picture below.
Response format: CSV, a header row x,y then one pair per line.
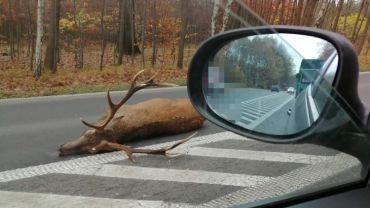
x,y
275,88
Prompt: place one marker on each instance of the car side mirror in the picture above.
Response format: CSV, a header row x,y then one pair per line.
x,y
279,84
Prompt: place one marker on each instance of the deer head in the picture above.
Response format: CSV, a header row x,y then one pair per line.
x,y
102,138
89,142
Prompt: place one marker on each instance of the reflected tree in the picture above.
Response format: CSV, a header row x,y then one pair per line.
x,y
257,62
326,49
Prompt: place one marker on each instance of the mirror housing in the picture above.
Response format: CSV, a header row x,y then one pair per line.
x,y
344,123
275,84
344,83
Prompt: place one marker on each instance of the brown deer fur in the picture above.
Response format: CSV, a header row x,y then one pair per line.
x,y
155,117
123,123
150,118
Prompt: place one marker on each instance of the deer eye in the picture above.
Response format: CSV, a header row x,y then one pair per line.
x,y
92,150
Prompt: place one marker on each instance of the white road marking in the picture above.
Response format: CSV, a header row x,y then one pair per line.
x,y
83,162
292,182
307,114
163,174
318,170
269,102
257,155
314,111
40,200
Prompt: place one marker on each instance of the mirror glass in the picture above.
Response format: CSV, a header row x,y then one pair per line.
x,y
274,84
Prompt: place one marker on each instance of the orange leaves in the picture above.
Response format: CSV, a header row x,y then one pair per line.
x,y
19,82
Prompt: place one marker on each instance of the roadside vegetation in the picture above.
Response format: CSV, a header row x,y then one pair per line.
x,y
22,83
19,82
75,46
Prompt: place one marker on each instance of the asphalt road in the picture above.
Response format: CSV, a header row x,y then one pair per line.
x,y
364,88
250,109
215,169
31,130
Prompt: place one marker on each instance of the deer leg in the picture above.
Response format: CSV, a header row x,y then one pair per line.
x,y
129,151
115,146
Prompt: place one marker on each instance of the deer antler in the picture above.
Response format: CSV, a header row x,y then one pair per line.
x,y
114,107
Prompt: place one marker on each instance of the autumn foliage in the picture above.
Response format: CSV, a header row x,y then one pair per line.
x,y
87,43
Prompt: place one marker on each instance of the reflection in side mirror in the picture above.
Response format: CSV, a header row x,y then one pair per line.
x,y
274,84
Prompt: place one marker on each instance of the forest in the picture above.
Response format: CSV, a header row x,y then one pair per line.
x,y
52,47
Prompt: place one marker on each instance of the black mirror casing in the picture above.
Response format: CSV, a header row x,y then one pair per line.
x,y
344,84
345,81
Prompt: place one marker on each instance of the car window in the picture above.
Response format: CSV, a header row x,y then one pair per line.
x,y
63,60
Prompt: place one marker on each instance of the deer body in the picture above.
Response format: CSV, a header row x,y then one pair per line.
x,y
154,117
122,123
143,120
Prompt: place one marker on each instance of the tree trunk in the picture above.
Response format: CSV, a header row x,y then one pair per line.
x,y
225,18
361,42
50,61
184,24
143,27
132,31
130,44
293,11
235,23
127,41
276,12
214,16
268,12
348,10
39,34
282,11
120,35
353,37
30,44
18,29
79,51
339,11
309,13
103,44
322,14
10,28
366,6
298,13
29,27
368,46
154,36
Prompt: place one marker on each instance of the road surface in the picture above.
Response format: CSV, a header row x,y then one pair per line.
x,y
36,127
215,169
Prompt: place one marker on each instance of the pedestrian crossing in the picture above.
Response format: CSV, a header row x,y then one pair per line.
x,y
163,174
255,111
218,170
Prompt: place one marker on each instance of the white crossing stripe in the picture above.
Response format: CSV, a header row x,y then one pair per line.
x,y
266,106
162,174
83,162
254,187
257,155
40,200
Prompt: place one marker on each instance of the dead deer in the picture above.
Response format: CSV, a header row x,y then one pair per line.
x,y
122,123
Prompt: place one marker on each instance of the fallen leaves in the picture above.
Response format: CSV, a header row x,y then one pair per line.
x,y
20,83
16,76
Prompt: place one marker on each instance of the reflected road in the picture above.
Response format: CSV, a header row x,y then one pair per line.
x,y
250,108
